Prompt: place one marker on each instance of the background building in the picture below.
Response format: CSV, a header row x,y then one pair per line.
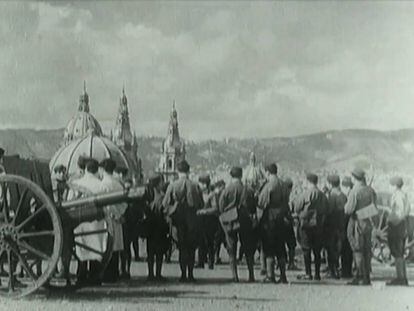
x,y
172,149
84,136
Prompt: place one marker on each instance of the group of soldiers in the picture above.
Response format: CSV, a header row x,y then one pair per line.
x,y
201,216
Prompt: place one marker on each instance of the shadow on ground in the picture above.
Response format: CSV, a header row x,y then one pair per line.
x,y
138,290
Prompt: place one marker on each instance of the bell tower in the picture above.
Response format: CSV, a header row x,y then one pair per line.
x,y
122,136
172,149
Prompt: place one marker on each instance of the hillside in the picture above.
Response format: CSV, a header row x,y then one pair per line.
x,y
392,150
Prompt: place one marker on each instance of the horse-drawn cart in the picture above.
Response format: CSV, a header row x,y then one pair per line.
x,y
33,226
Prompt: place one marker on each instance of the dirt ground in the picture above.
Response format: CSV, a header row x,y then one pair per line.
x,y
213,291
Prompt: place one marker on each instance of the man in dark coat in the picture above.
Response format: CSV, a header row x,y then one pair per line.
x,y
236,195
219,237
311,210
157,227
397,230
289,223
335,225
182,200
209,222
359,229
347,258
272,200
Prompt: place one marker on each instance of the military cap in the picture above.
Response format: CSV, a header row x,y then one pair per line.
x,y
59,168
108,165
347,182
289,182
154,178
220,184
82,161
334,180
121,170
358,173
236,172
92,165
204,179
183,166
271,168
312,178
397,181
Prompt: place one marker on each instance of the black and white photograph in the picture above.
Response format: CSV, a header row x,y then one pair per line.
x,y
206,155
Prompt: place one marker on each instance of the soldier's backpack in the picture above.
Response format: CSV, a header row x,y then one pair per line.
x,y
309,216
229,219
176,210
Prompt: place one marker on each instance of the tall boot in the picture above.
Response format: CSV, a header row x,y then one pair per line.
x,y
270,270
262,262
150,264
308,268
182,258
317,255
158,267
250,266
211,260
404,270
366,270
399,268
190,264
233,268
401,273
282,269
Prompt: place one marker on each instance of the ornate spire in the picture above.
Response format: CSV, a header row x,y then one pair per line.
x,y
173,149
124,99
84,99
122,132
252,158
173,135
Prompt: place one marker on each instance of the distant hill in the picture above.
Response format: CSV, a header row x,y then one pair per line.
x,y
393,150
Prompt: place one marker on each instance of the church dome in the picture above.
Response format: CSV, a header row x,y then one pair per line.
x,y
83,122
254,174
81,125
97,147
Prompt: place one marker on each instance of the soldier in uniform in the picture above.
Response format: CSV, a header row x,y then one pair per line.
x,y
397,229
209,222
115,216
82,160
61,183
157,226
87,185
219,237
237,195
359,231
182,200
311,209
335,225
272,200
346,252
290,231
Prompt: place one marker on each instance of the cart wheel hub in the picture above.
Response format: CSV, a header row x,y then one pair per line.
x,y
7,234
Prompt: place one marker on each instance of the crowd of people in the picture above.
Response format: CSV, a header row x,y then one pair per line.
x,y
200,216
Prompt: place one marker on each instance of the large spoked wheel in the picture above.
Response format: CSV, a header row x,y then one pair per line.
x,y
30,236
380,248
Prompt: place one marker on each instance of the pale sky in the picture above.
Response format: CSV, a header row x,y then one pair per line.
x,y
236,69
